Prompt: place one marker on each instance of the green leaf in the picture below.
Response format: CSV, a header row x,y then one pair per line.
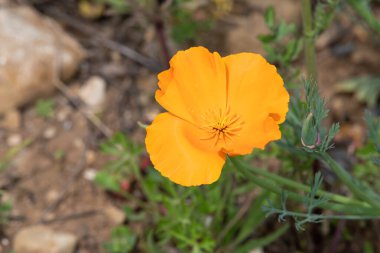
x,y
270,16
5,209
120,6
368,247
133,215
292,50
122,240
284,29
266,38
365,88
107,181
363,8
45,108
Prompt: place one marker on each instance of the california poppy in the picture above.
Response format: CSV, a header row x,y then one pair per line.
x,y
217,106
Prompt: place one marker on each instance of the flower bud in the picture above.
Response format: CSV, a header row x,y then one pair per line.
x,y
310,137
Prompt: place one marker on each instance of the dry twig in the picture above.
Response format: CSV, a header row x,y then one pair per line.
x,y
110,44
71,216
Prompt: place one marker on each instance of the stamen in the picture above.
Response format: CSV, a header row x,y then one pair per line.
x,y
221,125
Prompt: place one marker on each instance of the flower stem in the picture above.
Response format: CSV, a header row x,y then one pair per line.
x,y
309,40
295,185
270,185
358,190
329,217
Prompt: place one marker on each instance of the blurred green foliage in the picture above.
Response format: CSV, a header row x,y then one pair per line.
x,y
120,6
365,88
5,209
185,28
324,14
45,108
367,168
6,160
364,9
222,217
179,16
122,240
282,45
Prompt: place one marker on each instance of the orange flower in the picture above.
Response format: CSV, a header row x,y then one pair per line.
x,y
217,107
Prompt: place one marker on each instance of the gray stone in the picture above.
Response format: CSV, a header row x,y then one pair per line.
x,y
34,53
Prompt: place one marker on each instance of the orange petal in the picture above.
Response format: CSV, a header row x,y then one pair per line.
x,y
177,152
195,82
256,93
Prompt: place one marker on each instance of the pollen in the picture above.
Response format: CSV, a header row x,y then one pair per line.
x,y
221,125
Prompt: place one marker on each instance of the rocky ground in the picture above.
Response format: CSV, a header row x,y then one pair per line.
x,y
87,77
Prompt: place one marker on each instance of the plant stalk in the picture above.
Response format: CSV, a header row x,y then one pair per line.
x,y
346,178
309,40
270,185
298,186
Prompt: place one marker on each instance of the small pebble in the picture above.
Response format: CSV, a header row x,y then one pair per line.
x,y
5,242
50,133
63,114
52,196
14,140
68,125
78,143
93,93
89,174
115,215
90,157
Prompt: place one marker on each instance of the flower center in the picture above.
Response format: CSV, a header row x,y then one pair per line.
x,y
221,125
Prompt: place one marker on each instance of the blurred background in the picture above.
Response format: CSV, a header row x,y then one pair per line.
x,y
75,73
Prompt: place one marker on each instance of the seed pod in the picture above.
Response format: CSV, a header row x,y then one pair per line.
x,y
310,136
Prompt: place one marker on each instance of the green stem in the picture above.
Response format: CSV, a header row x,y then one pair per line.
x,y
309,39
273,187
295,185
359,191
328,217
363,8
6,160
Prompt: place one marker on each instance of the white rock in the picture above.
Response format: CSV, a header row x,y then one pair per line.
x,y
93,93
52,196
41,239
259,250
50,132
78,143
14,140
115,215
89,174
5,242
34,52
